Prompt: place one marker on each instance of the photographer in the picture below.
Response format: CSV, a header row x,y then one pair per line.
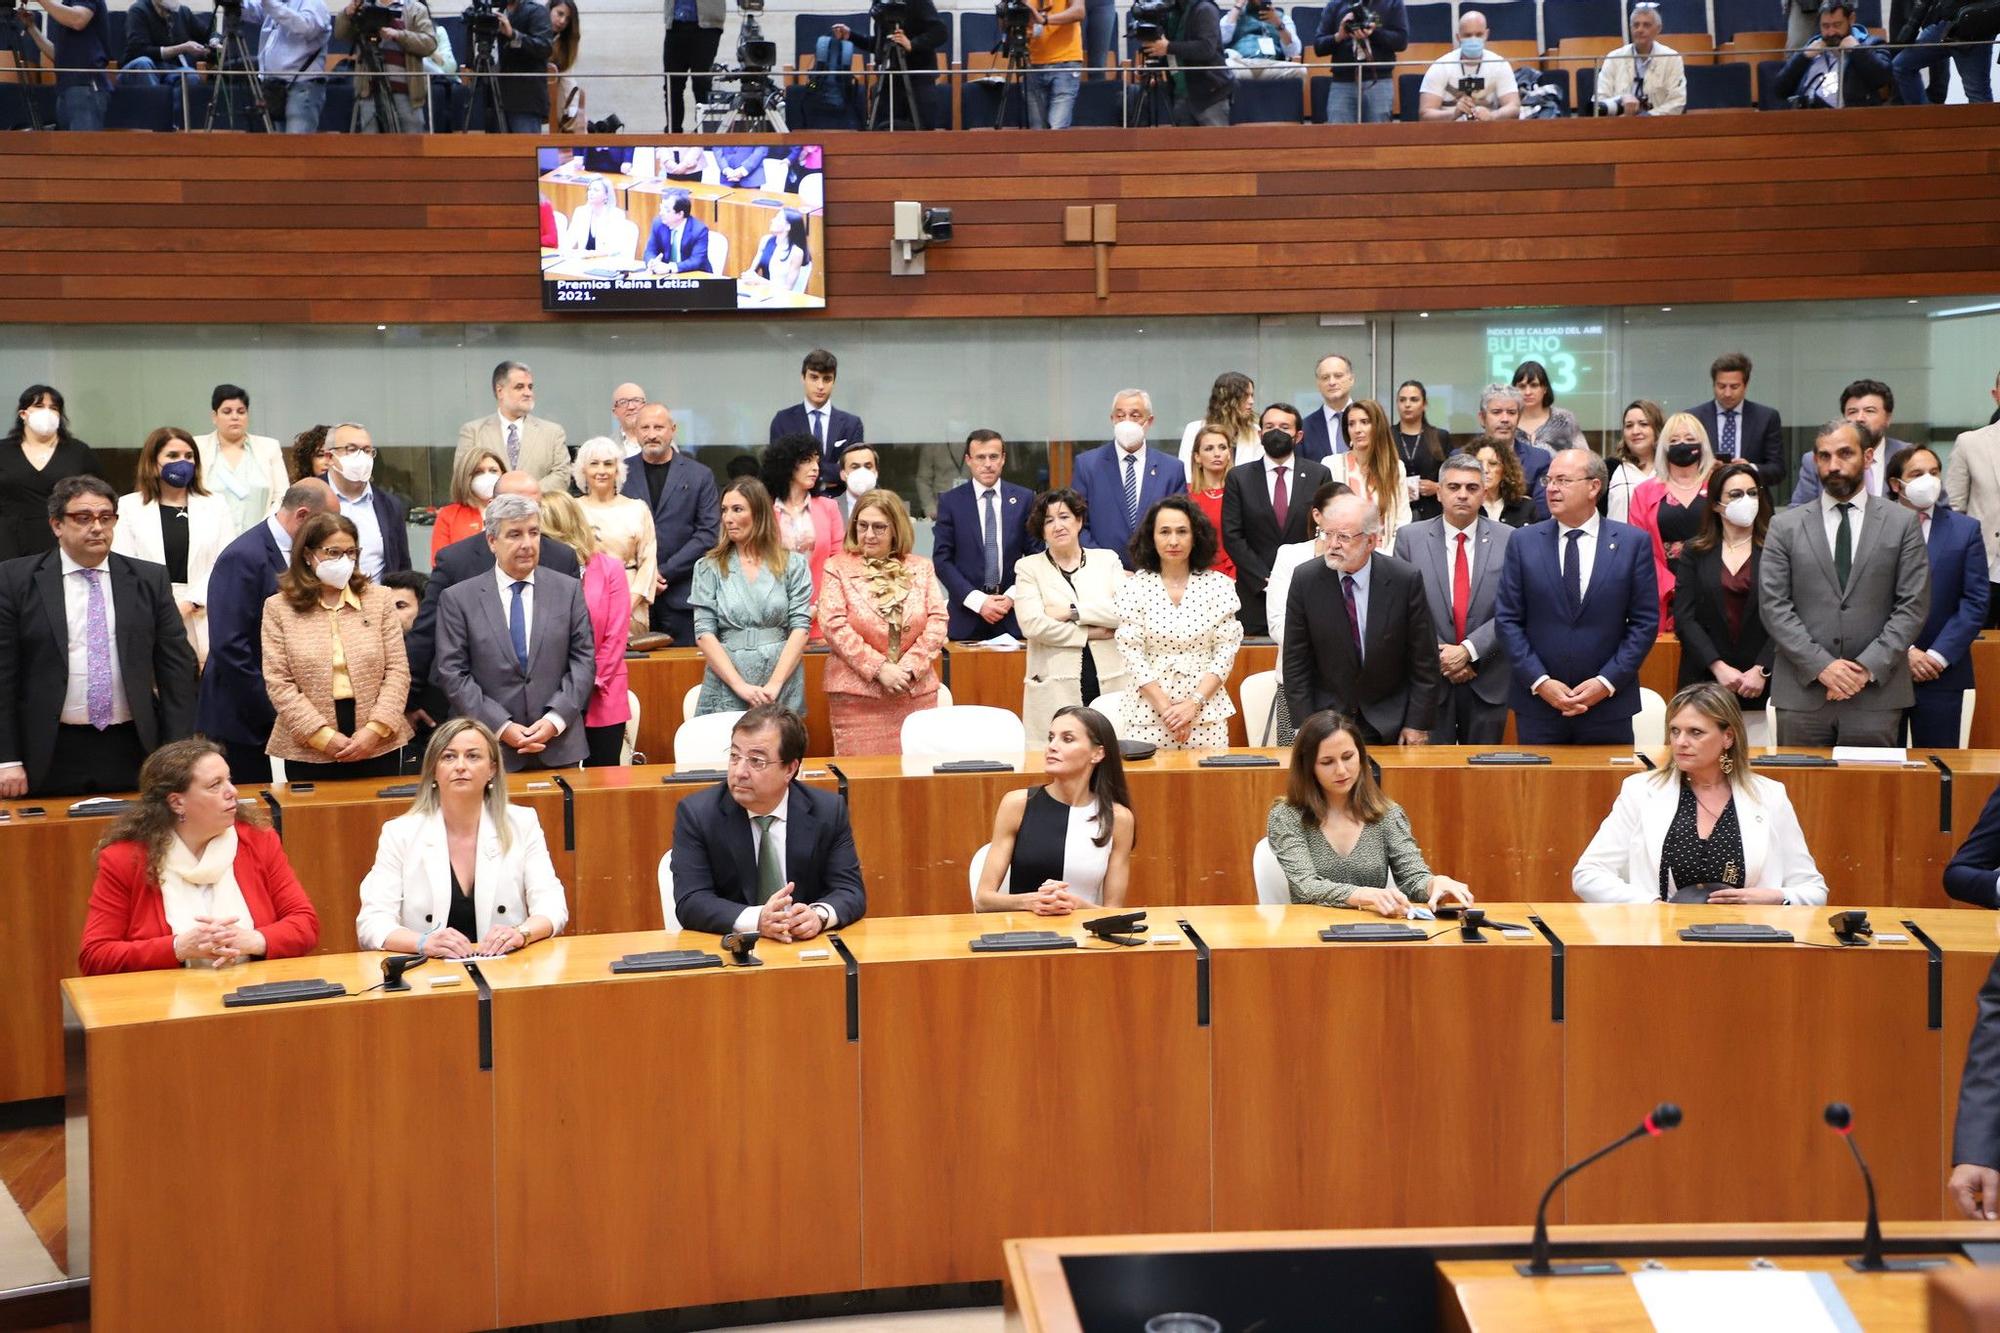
x,y
1260,42
1933,21
401,43
694,33
1360,35
1645,77
77,41
291,60
1844,66
1055,63
1470,83
162,42
526,38
914,28
1192,44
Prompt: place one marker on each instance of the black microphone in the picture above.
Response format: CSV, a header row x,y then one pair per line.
x,y
741,945
1841,1119
395,965
1664,1117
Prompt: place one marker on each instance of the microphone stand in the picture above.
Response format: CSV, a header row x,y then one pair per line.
x,y
1840,1119
1664,1117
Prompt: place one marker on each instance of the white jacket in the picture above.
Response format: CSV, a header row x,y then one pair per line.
x,y
1622,863
410,883
1666,80
139,536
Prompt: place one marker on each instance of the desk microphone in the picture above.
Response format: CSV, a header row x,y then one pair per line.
x,y
1664,1117
395,965
741,945
1841,1119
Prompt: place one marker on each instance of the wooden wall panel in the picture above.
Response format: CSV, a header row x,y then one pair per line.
x,y
1260,219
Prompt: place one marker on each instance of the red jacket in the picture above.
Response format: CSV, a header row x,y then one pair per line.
x,y
126,929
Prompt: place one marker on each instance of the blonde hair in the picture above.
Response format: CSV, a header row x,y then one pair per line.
x,y
1674,423
562,518
428,800
463,471
902,535
1719,707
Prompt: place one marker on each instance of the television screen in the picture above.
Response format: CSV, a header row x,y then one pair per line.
x,y
740,227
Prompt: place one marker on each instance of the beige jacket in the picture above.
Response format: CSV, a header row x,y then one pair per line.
x,y
544,447
298,672
1056,646
419,40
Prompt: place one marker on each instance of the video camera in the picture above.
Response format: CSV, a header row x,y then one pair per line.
x,y
1147,22
371,18
482,17
755,53
1016,19
887,16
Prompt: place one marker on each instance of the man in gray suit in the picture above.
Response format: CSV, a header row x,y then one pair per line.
x,y
528,443
1844,590
1460,554
515,648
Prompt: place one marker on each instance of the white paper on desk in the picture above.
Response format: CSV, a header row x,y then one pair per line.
x,y
1002,643
1744,1302
1869,754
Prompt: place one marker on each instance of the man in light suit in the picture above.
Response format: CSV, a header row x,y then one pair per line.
x,y
1460,554
1120,481
1972,485
686,517
1326,429
95,667
528,443
234,708
1940,659
1265,505
1873,404
760,852
515,650
1738,428
831,428
981,530
1844,588
1578,610
1358,633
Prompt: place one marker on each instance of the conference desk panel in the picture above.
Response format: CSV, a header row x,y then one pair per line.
x,y
43,899
1063,1093
994,678
662,679
1751,1041
1969,943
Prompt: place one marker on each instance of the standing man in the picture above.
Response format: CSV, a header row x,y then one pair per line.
x,y
233,707
292,38
626,400
1265,505
1578,611
1460,554
528,443
1120,481
981,530
1055,63
1500,415
832,429
526,37
1326,429
95,668
379,516
1363,39
79,39
694,31
686,517
1873,404
1844,588
1358,633
1940,659
859,474
1972,482
1739,428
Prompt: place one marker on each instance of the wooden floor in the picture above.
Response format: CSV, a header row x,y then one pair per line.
x,y
31,1166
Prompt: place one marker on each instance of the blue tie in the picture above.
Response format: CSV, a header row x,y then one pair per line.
x,y
1573,569
1727,446
992,545
517,624
1132,492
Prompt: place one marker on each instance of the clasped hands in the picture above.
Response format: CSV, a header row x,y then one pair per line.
x,y
1843,679
786,921
1572,702
218,941
1054,898
528,740
1393,902
448,943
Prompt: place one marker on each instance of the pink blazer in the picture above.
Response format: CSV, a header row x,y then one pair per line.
x,y
608,598
859,637
1643,513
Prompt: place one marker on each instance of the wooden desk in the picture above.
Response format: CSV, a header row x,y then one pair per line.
x,y
662,679
1970,944
994,679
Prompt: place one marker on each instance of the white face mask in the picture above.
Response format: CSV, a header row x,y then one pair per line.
x,y
1922,491
1742,511
357,468
485,484
335,573
1128,434
43,421
861,481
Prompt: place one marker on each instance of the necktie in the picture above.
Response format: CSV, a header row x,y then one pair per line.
x,y
97,637
513,445
1843,546
1281,502
770,874
1353,611
1728,446
1573,569
819,429
1461,591
992,541
1132,491
676,234
517,625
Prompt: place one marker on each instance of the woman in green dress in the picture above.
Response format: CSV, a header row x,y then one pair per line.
x,y
752,603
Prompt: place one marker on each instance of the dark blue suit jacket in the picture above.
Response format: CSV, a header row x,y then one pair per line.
x,y
1608,636
1974,873
1760,438
1959,594
960,557
1315,443
685,522
842,429
1535,460
392,512
1098,476
715,858
694,245
233,704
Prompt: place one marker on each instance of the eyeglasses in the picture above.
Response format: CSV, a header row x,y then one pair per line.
x,y
756,763
337,553
622,403
93,518
349,450
1553,480
1343,538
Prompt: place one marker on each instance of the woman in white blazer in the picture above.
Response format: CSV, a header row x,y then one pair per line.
x,y
247,471
1703,829
172,520
1064,597
463,873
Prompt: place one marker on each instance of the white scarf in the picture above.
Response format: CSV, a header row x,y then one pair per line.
x,y
205,885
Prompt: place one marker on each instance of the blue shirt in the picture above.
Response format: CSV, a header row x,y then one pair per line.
x,y
82,47
368,525
685,12
291,37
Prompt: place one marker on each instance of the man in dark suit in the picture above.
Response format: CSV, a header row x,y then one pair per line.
x,y
760,852
1738,428
831,428
1326,429
515,648
1460,554
1975,1138
380,516
686,516
1120,481
1941,657
1265,505
1973,876
1873,404
1578,610
233,707
95,668
981,530
678,241
1500,415
1358,633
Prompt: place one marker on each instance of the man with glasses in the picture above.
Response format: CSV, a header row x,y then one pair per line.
x,y
378,515
626,400
1578,610
95,667
761,852
513,431
1121,480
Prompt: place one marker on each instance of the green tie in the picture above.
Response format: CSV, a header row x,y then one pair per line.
x,y
1843,547
770,874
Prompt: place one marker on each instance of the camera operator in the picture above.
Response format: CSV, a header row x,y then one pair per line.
x,y
918,34
1192,44
1645,77
694,34
291,61
77,41
526,38
1259,42
1360,35
1470,83
1055,63
1932,21
402,44
162,42
1844,66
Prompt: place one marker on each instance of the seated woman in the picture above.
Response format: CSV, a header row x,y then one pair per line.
x,y
785,255
1706,829
1066,846
183,880
462,872
1340,841
599,226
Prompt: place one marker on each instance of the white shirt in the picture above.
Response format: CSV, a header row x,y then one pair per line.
x,y
825,422
1830,519
506,582
1441,79
746,920
76,608
975,600
1336,425
1360,578
361,512
280,536
630,445
1586,560
1451,536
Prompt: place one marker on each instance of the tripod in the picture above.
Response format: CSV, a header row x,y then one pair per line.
x,y
891,63
233,59
368,61
15,41
484,73
1015,48
1152,92
753,108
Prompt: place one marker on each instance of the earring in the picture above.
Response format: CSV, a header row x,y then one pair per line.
x,y
1728,765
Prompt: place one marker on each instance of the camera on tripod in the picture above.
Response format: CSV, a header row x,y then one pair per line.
x,y
887,16
755,53
371,18
1016,19
1147,23
482,17
745,99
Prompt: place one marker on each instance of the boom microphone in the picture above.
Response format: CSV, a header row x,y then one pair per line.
x,y
1664,1117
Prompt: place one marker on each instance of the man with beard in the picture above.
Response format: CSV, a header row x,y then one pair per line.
x,y
1265,505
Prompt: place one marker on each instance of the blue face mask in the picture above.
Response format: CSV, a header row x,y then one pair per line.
x,y
1472,48
179,475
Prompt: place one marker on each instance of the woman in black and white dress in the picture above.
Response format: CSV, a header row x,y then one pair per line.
x,y
1177,631
1066,846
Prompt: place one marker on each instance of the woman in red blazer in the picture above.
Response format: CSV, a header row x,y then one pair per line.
x,y
183,880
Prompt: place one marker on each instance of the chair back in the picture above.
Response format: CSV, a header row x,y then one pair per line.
x,y
965,731
703,742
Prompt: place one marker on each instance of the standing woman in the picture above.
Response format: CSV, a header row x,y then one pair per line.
x,y
1065,596
1372,468
623,523
1506,484
882,610
752,603
1715,593
310,457
1637,456
1214,455
172,520
247,471
35,454
475,475
1422,447
1552,427
808,524
566,22
1232,405
1178,631
607,599
1065,846
334,661
1670,505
